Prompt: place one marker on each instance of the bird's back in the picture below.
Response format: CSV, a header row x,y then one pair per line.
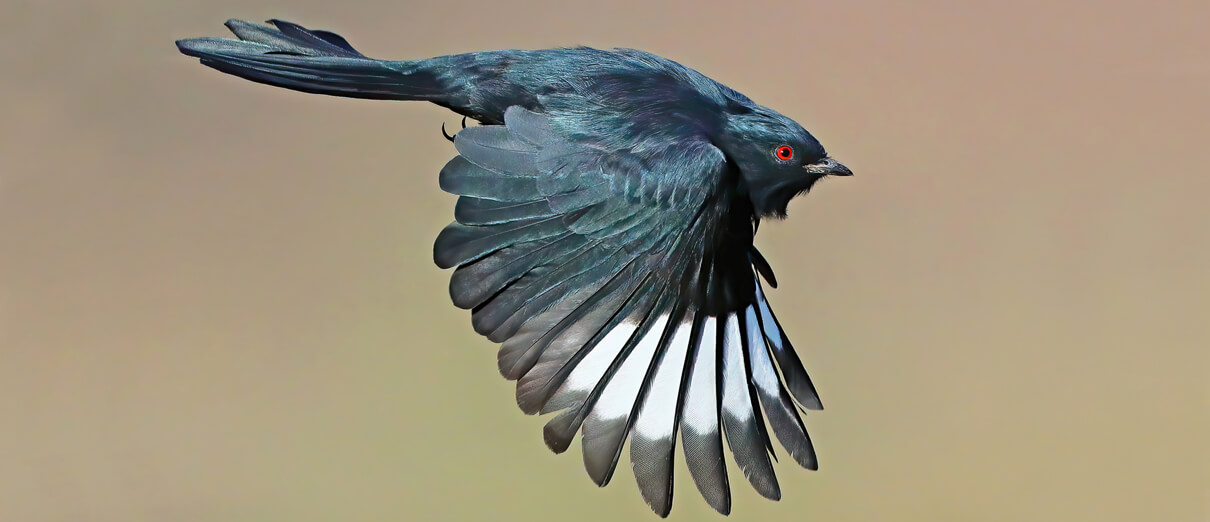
x,y
608,88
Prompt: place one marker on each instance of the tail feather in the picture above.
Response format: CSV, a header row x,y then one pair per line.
x,y
291,56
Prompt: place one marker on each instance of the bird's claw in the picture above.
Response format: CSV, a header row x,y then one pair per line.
x,y
447,135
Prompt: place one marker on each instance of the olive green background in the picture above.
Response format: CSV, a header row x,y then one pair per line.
x,y
217,299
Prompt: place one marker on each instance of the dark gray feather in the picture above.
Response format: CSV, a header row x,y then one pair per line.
x,y
745,431
458,244
783,416
791,367
474,283
461,177
479,211
701,429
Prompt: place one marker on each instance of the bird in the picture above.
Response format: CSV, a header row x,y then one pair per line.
x,y
607,205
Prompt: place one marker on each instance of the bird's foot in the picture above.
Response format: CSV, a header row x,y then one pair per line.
x,y
447,135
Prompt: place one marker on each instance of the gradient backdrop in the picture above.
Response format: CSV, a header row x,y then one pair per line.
x,y
217,299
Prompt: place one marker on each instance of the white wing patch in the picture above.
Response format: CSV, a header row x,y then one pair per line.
x,y
763,373
701,413
658,414
731,363
766,319
735,377
622,391
589,371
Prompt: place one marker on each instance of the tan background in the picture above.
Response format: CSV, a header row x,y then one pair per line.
x,y
218,301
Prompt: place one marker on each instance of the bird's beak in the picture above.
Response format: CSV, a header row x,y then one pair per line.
x,y
828,167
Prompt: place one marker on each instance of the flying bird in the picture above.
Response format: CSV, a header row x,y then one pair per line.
x,y
603,236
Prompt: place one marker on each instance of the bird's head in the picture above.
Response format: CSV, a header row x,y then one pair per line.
x,y
776,157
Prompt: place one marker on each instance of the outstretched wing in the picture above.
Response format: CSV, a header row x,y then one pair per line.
x,y
621,284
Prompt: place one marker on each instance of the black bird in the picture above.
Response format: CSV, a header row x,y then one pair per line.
x,y
603,235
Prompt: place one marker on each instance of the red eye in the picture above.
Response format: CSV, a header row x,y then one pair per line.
x,y
785,153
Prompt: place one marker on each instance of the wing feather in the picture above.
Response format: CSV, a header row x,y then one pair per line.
x,y
653,436
744,431
625,293
700,426
783,416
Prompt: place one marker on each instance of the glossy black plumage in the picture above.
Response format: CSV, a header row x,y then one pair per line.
x,y
603,235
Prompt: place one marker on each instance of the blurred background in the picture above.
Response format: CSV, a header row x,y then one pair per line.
x,y
217,298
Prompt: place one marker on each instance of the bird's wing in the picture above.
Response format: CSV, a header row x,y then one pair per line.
x,y
625,298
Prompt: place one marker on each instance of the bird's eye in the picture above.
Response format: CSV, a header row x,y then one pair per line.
x,y
785,153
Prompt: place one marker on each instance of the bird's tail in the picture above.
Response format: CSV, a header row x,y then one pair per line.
x,y
291,56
